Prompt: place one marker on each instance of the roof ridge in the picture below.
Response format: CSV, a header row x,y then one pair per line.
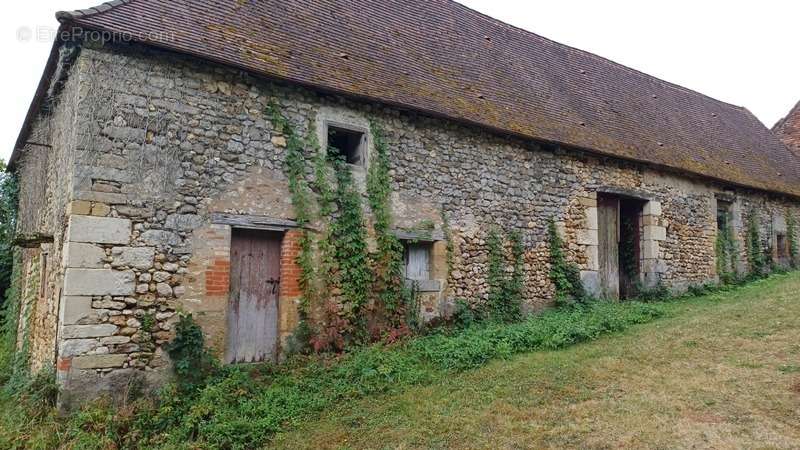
x,y
93,11
667,84
791,112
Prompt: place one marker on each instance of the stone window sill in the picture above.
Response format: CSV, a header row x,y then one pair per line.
x,y
425,285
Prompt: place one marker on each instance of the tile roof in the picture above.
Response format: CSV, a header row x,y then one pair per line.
x,y
442,58
788,129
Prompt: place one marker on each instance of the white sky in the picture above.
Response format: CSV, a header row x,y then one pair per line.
x,y
742,52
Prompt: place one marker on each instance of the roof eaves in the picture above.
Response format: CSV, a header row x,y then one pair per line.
x,y
63,16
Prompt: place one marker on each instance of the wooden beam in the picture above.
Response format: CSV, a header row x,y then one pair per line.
x,y
31,240
634,194
419,235
253,222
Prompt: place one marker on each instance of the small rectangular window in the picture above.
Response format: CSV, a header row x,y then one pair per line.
x,y
349,144
418,261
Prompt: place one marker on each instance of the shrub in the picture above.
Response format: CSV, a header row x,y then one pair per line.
x,y
463,315
193,363
657,293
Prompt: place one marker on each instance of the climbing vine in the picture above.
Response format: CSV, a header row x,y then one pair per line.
x,y
726,253
321,184
300,192
755,252
347,281
504,301
791,236
388,258
349,240
516,281
564,275
448,237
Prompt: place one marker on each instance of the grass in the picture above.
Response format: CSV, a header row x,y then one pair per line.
x,y
720,371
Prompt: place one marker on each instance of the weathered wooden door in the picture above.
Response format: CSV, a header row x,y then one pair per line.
x,y
608,245
253,304
418,262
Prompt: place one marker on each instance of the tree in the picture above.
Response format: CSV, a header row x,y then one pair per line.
x,y
9,195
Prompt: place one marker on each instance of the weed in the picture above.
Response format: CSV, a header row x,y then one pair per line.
x,y
193,363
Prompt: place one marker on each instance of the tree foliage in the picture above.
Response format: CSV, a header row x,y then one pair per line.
x,y
9,199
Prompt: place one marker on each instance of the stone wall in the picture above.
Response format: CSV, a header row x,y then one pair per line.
x,y
170,147
45,172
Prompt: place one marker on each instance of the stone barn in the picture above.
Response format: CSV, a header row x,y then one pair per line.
x,y
176,159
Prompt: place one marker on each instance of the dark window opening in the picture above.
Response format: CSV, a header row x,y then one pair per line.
x,y
723,215
417,261
349,144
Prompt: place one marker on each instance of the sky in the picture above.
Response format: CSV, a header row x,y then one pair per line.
x,y
742,52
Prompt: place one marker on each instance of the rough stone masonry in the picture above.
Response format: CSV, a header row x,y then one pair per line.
x,y
148,159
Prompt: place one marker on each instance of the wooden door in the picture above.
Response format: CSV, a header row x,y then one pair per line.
x,y
253,304
608,245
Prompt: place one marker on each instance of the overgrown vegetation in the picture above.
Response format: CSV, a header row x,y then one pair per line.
x,y
9,199
349,253
362,295
566,276
504,302
756,256
192,363
14,372
726,253
13,360
688,378
387,262
657,293
294,165
244,406
791,237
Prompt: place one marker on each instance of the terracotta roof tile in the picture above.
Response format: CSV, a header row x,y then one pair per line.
x,y
442,58
788,129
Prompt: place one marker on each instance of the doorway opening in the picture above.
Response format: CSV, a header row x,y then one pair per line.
x,y
619,245
253,303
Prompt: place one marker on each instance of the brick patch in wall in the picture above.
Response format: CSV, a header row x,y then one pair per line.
x,y
218,276
64,364
290,270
